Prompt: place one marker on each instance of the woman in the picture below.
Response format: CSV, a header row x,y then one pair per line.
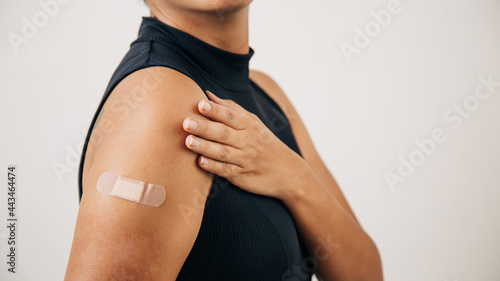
x,y
247,196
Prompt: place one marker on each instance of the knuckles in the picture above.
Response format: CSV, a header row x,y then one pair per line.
x,y
226,169
225,133
224,153
254,116
229,116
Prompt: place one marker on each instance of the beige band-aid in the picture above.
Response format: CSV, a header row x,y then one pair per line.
x,y
130,189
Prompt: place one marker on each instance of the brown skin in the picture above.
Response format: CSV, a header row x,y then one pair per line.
x,y
116,239
221,23
120,240
251,157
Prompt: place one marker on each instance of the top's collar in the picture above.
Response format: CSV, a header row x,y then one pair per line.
x,y
229,70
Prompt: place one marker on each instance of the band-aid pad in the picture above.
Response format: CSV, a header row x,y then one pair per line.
x,y
130,189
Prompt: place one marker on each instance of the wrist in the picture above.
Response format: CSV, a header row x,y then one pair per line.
x,y
295,183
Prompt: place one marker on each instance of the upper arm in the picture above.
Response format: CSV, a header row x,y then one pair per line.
x,y
302,137
141,137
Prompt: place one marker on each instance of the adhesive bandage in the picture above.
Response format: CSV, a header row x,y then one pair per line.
x,y
130,189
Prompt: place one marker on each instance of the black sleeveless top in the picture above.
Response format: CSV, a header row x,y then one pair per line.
x,y
243,236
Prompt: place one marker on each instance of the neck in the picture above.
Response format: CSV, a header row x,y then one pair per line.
x,y
226,30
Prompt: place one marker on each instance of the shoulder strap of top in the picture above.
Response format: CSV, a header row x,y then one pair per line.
x,y
139,56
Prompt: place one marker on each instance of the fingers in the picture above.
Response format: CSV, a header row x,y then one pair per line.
x,y
223,169
230,104
211,130
214,150
223,114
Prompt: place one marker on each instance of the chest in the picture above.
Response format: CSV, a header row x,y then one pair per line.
x,y
245,236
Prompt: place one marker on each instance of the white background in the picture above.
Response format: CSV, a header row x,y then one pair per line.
x,y
441,223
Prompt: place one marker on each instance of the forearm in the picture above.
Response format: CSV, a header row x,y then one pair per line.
x,y
341,248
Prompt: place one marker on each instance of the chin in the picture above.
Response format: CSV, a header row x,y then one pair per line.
x,y
207,5
227,4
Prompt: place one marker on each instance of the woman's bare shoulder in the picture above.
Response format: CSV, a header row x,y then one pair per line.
x,y
266,83
147,99
271,87
140,136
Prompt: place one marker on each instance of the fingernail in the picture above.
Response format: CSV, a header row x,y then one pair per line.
x,y
193,142
205,106
203,161
190,124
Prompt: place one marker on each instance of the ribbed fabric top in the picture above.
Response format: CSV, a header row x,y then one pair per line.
x,y
243,236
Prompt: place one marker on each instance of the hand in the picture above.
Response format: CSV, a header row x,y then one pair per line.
x,y
236,145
